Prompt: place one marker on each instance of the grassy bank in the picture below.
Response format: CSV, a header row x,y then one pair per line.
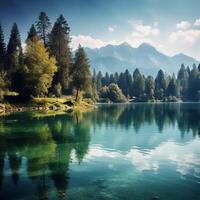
x,y
53,105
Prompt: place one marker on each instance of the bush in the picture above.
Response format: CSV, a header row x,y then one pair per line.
x,y
58,90
113,92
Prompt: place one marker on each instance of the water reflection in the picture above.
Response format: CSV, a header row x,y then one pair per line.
x,y
41,151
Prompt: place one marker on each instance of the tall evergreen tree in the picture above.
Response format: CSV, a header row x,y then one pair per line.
x,y
172,87
99,81
59,46
182,80
129,83
43,25
160,85
138,84
2,50
32,33
149,87
14,50
106,79
122,83
81,75
194,84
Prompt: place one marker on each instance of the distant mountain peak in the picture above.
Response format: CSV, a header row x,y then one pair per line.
x,y
145,46
117,58
125,44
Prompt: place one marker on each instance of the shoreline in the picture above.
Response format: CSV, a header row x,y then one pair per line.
x,y
47,104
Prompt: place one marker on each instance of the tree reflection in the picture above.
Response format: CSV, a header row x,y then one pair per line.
x,y
48,144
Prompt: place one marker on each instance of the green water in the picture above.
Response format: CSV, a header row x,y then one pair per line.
x,y
118,152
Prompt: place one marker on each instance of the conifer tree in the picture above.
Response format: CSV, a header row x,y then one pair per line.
x,y
138,84
172,87
59,46
14,50
32,33
81,75
99,81
2,50
43,26
160,85
182,80
149,87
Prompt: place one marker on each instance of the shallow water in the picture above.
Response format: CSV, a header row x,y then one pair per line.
x,y
132,151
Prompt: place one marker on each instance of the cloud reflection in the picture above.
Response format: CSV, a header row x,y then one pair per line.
x,y
186,157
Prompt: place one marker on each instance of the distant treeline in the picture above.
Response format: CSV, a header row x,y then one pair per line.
x,y
46,66
184,86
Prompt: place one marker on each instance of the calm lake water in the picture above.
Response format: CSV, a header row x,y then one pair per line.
x,y
117,152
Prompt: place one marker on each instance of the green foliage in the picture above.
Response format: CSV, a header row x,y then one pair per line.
x,y
14,51
149,87
160,85
172,88
58,90
43,25
4,83
2,50
81,75
40,68
59,46
138,84
194,84
32,33
112,92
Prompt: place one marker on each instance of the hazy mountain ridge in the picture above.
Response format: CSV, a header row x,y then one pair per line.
x,y
147,58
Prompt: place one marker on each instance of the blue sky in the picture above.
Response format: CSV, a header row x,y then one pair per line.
x,y
172,26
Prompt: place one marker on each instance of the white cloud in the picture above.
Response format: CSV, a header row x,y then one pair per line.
x,y
145,31
88,41
142,33
184,37
197,22
183,25
112,28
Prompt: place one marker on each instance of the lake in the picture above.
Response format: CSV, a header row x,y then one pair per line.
x,y
124,151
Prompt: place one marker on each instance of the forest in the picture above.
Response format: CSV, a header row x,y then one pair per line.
x,y
164,87
47,67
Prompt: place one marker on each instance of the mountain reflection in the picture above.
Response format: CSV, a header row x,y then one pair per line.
x,y
46,144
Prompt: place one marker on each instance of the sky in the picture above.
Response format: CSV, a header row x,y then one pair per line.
x,y
172,26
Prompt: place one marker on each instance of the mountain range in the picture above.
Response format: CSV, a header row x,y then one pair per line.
x,y
118,58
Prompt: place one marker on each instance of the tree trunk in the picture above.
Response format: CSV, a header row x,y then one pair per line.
x,y
77,92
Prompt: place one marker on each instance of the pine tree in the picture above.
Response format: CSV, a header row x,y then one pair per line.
x,y
81,75
138,84
99,81
194,84
2,50
149,87
129,83
59,46
106,79
172,87
182,80
32,33
14,50
160,85
43,25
